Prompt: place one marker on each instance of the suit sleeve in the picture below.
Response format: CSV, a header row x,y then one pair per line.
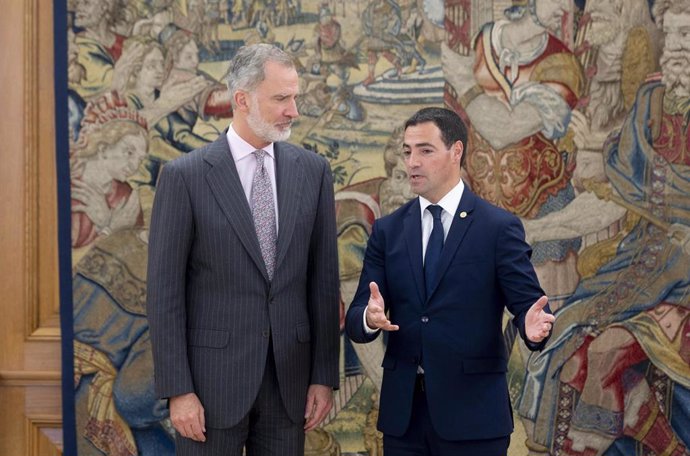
x,y
516,276
373,270
323,288
169,243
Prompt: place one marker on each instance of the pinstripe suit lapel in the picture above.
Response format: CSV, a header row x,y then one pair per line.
x,y
288,178
226,187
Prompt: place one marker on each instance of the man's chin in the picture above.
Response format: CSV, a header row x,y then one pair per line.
x,y
284,135
277,136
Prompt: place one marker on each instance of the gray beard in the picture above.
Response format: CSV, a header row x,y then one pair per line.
x,y
263,129
677,82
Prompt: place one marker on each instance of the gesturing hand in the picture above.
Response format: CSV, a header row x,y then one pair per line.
x,y
187,416
376,311
538,323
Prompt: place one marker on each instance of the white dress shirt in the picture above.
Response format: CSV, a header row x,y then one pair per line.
x,y
245,161
449,203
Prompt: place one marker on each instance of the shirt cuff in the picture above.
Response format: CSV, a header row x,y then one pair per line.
x,y
367,329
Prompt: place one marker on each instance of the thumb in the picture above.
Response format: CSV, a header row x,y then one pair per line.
x,y
540,304
374,289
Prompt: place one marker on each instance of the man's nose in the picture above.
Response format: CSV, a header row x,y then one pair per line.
x,y
292,110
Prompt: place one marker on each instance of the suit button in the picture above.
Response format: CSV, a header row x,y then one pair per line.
x,y
266,333
425,319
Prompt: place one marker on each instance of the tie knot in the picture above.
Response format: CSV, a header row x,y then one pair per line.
x,y
260,154
435,211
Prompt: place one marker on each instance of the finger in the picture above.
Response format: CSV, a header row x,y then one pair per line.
x,y
322,405
549,318
197,433
193,432
187,428
199,425
309,407
541,303
311,422
374,289
390,327
320,413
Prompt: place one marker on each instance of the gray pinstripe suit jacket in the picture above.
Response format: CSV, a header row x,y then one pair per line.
x,y
211,308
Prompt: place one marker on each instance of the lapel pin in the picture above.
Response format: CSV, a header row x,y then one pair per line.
x,y
463,214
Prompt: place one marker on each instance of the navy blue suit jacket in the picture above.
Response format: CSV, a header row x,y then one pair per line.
x,y
455,333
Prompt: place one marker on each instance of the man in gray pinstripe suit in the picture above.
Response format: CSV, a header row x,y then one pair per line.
x,y
243,276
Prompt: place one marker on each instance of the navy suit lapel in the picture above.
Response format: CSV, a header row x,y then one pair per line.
x,y
458,229
225,184
412,228
288,178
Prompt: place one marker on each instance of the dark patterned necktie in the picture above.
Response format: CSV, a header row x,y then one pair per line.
x,y
433,248
263,211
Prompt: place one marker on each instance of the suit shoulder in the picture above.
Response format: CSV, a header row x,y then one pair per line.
x,y
495,213
191,161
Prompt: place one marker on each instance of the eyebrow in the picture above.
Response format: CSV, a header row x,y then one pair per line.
x,y
424,144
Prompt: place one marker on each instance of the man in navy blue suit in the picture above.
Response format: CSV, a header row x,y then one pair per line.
x,y
438,274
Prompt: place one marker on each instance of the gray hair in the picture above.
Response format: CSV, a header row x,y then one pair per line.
x,y
246,69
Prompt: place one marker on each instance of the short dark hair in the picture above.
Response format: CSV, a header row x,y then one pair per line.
x,y
452,127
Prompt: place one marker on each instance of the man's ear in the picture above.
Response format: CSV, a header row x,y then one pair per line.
x,y
242,100
458,150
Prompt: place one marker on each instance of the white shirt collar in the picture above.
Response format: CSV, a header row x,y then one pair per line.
x,y
240,148
449,202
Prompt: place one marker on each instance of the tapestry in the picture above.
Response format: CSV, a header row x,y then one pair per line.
x,y
578,123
